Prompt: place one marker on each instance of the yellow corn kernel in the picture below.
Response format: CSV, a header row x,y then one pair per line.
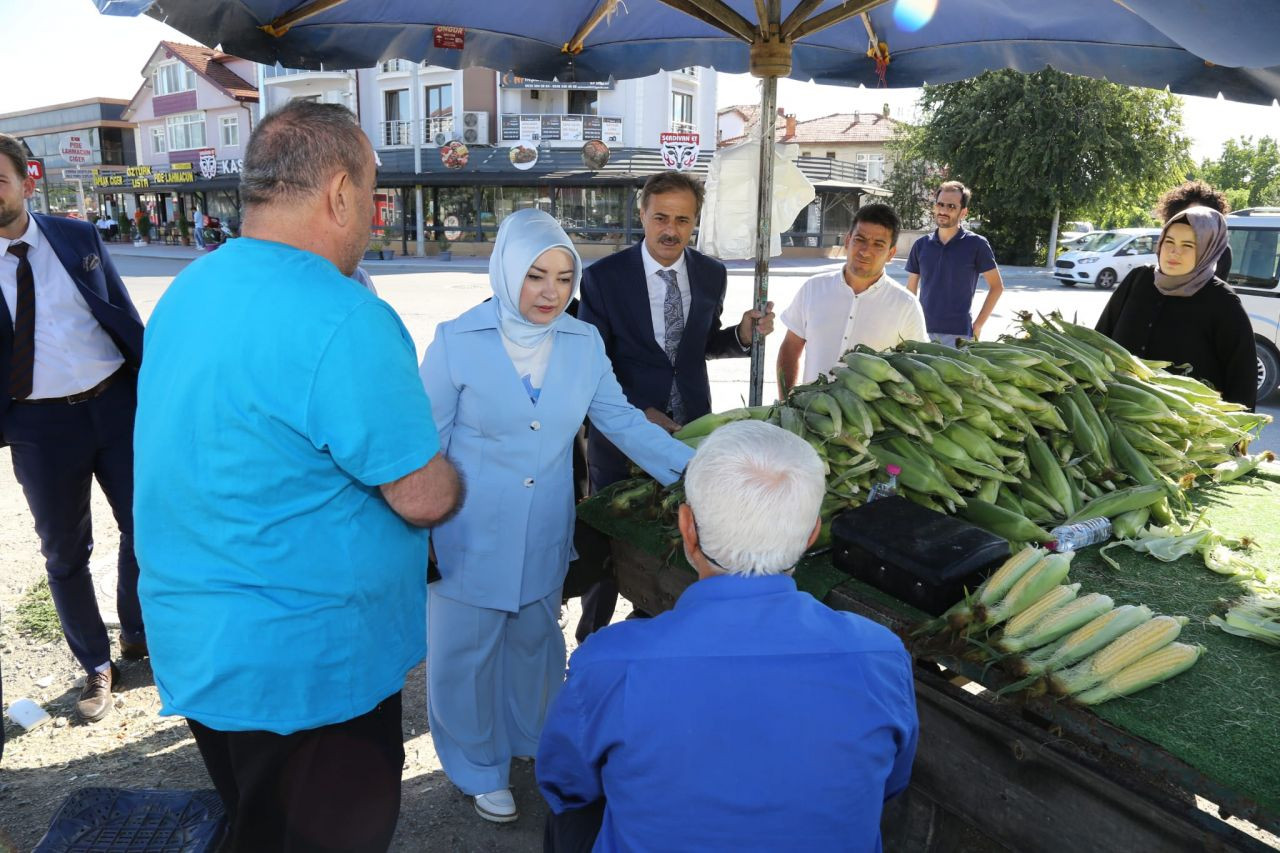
x,y
1137,644
1085,641
1043,606
1128,649
994,588
1158,666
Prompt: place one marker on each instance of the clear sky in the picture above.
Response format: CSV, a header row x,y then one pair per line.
x,y
63,50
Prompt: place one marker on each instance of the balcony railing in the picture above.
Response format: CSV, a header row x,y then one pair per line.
x,y
433,127
396,133
683,127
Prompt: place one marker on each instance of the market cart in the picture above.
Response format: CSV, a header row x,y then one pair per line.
x,y
1161,770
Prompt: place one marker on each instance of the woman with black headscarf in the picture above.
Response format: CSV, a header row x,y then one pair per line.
x,y
1180,311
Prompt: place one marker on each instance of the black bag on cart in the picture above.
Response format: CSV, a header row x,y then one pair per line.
x,y
919,556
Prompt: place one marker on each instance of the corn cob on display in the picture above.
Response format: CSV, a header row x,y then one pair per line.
x,y
1057,424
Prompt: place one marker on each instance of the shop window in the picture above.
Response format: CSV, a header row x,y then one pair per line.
x,y
159,141
174,77
583,102
682,112
230,131
186,131
591,213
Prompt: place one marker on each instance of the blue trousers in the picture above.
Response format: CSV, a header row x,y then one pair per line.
x,y
58,449
491,676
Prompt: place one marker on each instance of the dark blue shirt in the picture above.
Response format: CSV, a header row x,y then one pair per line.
x,y
750,717
949,277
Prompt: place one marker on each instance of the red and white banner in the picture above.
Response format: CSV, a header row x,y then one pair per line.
x,y
679,150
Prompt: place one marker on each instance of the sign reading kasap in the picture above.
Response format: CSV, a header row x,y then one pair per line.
x,y
75,147
679,150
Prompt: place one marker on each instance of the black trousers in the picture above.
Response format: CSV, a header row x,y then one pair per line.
x,y
335,788
574,831
58,449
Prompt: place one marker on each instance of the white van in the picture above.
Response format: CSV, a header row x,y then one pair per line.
x,y
1105,257
1255,275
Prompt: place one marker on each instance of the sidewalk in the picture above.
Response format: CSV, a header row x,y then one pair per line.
x,y
409,263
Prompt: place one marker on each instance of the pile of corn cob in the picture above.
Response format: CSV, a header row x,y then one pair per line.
x,y
1085,647
1056,424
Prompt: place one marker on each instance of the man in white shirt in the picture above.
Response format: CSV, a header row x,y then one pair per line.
x,y
70,347
857,304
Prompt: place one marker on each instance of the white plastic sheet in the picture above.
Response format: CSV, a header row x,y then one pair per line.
x,y
729,218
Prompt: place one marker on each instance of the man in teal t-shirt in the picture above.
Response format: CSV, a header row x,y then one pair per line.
x,y
286,467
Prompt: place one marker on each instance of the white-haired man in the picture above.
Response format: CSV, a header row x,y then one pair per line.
x,y
751,716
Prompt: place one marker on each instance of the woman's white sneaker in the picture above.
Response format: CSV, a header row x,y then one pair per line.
x,y
497,806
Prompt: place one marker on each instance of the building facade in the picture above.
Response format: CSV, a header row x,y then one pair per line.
x,y
105,139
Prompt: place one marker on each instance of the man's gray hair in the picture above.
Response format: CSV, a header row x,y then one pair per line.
x,y
755,491
295,150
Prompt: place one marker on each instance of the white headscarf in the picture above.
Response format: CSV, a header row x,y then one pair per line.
x,y
523,236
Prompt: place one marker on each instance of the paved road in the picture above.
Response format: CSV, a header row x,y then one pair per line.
x,y
427,292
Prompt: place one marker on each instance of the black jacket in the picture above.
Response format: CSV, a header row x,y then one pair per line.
x,y
1210,331
615,299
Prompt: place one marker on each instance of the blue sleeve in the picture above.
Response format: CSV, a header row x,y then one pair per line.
x,y
913,257
437,378
367,408
900,775
568,773
645,443
985,261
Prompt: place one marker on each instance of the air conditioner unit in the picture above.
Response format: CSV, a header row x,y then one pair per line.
x,y
475,128
440,138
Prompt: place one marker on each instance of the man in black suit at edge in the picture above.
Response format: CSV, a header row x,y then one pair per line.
x,y
70,348
657,306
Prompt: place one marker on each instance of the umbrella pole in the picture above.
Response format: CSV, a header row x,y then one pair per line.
x,y
764,206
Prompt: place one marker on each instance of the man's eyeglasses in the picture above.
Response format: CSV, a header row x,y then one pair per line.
x,y
946,205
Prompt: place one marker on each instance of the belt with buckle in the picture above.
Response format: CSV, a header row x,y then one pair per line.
x,y
95,391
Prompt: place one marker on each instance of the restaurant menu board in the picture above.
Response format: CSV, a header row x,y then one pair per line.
x,y
561,128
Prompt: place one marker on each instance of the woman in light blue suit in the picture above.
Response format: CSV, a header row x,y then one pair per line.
x,y
510,382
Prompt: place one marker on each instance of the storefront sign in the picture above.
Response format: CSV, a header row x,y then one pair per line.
x,y
611,130
230,167
510,128
571,128
138,171
77,174
551,127
75,147
679,150
449,37
208,163
35,169
531,127
511,81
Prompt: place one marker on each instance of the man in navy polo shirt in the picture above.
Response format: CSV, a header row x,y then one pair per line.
x,y
943,270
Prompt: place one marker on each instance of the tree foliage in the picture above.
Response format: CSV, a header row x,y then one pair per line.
x,y
1030,144
912,178
1248,172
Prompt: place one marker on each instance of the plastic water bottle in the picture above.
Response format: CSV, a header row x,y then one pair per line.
x,y
887,487
1082,534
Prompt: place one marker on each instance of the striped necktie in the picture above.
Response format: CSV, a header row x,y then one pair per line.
x,y
22,361
673,323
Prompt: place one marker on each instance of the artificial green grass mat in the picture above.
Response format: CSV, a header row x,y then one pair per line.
x,y
1221,717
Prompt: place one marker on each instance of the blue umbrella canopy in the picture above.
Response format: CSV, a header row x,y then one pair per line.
x,y
1227,47
1193,47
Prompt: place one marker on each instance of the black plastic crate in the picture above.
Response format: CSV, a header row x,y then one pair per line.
x,y
921,557
117,820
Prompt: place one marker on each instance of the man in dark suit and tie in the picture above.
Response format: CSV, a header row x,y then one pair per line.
x,y
657,306
70,347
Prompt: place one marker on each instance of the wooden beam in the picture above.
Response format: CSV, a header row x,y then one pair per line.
x,y
718,15
574,44
281,25
834,16
798,14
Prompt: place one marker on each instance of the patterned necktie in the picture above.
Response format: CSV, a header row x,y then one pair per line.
x,y
673,322
22,362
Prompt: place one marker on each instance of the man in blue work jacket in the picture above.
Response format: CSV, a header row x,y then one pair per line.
x,y
751,716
